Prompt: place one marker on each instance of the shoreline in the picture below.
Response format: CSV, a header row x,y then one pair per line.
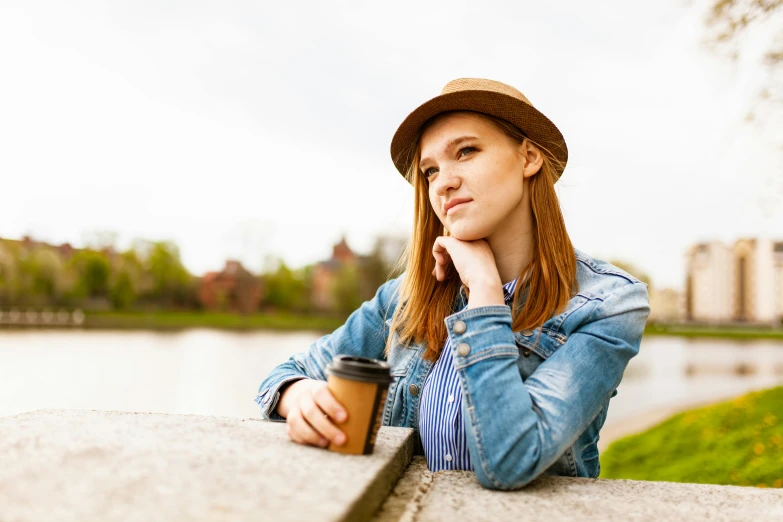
x,y
174,321
635,424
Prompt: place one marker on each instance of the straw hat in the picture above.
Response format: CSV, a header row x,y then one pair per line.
x,y
485,96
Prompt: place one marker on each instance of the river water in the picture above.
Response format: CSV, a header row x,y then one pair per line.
x,y
211,372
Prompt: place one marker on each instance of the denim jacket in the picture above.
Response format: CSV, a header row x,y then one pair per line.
x,y
533,401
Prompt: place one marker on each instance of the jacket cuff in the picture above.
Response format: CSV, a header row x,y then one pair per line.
x,y
481,333
268,398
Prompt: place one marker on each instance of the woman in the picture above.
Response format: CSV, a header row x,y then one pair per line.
x,y
510,395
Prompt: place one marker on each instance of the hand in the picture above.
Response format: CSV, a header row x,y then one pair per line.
x,y
475,264
310,408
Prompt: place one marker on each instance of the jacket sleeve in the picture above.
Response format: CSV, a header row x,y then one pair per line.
x,y
363,334
515,429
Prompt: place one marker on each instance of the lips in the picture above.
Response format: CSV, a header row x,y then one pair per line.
x,y
451,204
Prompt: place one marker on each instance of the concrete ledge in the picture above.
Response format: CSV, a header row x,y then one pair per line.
x,y
424,496
98,465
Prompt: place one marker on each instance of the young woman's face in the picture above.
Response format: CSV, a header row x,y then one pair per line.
x,y
467,160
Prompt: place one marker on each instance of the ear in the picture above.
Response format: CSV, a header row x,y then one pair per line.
x,y
532,157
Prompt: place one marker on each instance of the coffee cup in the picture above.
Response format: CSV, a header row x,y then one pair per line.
x,y
361,386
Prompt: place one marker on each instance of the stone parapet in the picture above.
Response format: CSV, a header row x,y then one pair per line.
x,y
102,466
99,465
423,496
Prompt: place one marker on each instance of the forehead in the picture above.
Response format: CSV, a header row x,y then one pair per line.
x,y
446,127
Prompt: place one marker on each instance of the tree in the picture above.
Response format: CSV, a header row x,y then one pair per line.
x,y
731,20
736,22
93,273
633,270
171,282
122,293
346,290
284,289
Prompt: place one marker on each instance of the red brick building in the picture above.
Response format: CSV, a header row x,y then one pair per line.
x,y
326,272
232,289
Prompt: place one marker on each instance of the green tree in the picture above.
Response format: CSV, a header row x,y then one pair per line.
x,y
633,270
171,282
94,270
8,275
122,293
346,290
284,289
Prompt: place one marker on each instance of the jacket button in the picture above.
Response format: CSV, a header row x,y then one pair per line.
x,y
527,333
413,389
459,327
526,353
463,349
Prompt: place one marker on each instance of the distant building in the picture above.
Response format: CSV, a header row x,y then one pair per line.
x,y
232,289
666,305
326,273
738,283
371,270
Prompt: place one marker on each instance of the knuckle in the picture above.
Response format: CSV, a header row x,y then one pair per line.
x,y
321,394
312,411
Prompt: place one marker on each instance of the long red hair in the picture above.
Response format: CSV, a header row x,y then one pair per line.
x,y
550,282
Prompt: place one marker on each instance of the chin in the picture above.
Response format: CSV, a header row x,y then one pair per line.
x,y
466,231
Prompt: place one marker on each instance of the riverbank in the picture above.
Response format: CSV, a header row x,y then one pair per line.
x,y
745,432
169,320
719,332
223,321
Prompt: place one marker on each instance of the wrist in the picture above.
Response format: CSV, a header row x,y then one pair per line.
x,y
288,395
486,294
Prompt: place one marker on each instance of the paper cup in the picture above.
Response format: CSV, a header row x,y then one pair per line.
x,y
360,385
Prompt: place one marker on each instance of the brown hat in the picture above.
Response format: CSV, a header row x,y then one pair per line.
x,y
485,96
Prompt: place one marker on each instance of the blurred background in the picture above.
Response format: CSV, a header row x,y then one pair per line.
x,y
192,191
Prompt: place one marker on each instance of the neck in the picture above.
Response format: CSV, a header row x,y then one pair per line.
x,y
512,244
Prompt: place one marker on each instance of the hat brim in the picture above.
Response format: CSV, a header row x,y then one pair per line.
x,y
527,118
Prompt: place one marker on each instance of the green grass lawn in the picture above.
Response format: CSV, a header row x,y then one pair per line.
x,y
738,442
722,332
183,320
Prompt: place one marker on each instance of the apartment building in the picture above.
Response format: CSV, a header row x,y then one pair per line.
x,y
742,282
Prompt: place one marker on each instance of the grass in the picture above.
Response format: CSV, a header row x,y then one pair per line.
x,y
227,321
738,442
171,320
721,332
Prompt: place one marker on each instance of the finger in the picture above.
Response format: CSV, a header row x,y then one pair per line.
x,y
319,420
303,433
329,404
439,248
440,257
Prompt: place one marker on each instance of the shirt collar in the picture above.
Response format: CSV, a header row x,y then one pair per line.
x,y
508,291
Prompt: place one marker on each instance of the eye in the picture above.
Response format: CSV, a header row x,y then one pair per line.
x,y
429,172
465,150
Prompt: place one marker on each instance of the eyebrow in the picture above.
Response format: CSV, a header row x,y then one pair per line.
x,y
452,143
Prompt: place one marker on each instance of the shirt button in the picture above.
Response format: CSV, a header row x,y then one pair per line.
x,y
413,389
459,327
527,333
463,349
448,457
451,398
526,353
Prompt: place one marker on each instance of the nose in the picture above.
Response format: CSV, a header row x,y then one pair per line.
x,y
445,180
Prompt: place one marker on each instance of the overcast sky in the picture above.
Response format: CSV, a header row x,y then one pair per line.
x,y
246,129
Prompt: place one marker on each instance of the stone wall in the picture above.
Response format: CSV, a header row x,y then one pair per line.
x,y
99,465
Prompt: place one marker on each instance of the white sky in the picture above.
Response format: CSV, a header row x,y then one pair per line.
x,y
245,129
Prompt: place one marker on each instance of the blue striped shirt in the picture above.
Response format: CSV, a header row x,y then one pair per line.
x,y
441,424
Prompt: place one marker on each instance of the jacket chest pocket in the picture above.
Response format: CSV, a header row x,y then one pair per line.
x,y
535,349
